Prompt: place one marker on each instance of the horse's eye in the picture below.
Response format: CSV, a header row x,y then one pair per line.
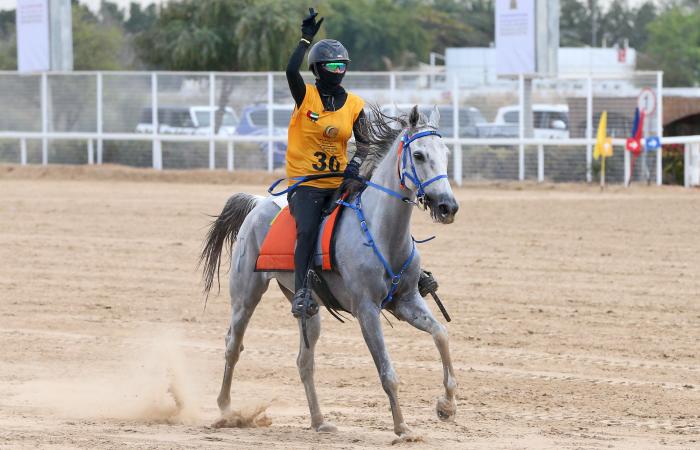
x,y
418,156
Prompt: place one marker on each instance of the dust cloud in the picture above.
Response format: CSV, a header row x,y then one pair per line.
x,y
153,386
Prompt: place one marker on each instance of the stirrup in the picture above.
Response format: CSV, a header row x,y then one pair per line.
x,y
303,305
426,283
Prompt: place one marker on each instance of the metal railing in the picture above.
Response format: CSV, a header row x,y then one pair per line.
x,y
107,115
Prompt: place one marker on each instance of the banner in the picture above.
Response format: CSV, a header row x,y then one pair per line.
x,y
515,37
33,36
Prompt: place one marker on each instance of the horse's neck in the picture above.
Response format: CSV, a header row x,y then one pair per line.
x,y
388,217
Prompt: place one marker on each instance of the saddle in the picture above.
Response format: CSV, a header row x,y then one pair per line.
x,y
277,250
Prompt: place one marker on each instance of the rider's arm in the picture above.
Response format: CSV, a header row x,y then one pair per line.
x,y
360,131
296,82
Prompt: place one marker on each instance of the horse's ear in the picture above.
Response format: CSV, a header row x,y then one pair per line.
x,y
434,120
413,117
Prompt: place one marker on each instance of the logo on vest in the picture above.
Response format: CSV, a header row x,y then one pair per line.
x,y
330,132
312,115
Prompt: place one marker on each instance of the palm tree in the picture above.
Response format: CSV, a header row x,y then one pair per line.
x,y
221,35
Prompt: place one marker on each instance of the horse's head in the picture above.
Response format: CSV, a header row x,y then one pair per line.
x,y
424,165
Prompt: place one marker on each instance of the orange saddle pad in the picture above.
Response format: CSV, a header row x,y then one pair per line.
x,y
277,251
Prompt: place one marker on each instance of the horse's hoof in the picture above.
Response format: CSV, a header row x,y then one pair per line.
x,y
406,436
326,427
224,405
446,409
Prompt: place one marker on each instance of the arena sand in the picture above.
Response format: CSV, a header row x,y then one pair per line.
x,y
576,322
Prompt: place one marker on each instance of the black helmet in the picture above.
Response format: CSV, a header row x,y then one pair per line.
x,y
327,50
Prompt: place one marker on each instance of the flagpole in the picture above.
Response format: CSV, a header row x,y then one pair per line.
x,y
602,173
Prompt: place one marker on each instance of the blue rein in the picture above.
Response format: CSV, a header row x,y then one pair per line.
x,y
394,277
406,160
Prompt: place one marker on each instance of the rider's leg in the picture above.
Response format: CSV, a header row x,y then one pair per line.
x,y
306,205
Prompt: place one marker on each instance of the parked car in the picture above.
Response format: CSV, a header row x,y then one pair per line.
x,y
470,118
549,121
186,120
254,122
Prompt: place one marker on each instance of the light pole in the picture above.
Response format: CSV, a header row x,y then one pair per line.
x,y
594,23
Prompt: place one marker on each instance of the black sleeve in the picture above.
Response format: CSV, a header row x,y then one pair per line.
x,y
296,82
359,129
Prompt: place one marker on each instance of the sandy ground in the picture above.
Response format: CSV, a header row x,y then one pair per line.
x,y
576,323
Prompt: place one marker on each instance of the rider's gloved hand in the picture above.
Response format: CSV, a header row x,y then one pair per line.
x,y
309,26
352,182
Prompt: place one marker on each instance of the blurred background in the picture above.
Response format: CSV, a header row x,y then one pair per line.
x,y
198,84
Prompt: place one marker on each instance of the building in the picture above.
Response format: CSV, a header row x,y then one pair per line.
x,y
476,66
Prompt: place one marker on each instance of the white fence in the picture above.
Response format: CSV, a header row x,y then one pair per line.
x,y
163,120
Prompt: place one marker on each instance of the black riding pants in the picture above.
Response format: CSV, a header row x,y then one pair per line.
x,y
306,204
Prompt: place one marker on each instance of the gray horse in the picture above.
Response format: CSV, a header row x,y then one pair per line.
x,y
359,283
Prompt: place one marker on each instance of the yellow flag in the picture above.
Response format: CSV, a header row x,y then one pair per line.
x,y
607,147
601,138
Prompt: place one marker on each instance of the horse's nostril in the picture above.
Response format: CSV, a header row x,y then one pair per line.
x,y
444,209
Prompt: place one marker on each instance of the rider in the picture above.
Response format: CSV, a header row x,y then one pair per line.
x,y
323,120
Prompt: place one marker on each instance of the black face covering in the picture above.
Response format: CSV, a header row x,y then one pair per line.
x,y
328,83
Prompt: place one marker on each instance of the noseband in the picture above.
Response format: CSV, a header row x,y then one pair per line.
x,y
406,158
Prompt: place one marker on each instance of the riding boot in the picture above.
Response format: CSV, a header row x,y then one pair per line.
x,y
303,304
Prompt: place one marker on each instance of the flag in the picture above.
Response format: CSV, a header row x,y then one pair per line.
x,y
633,145
607,147
601,137
652,143
640,126
635,124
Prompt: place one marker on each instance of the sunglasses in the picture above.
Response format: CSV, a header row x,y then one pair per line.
x,y
335,67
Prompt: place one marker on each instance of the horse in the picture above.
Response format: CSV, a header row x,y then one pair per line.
x,y
406,167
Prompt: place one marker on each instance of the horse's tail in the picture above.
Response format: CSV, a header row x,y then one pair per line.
x,y
223,230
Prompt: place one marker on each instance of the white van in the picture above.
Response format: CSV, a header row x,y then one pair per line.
x,y
186,120
549,121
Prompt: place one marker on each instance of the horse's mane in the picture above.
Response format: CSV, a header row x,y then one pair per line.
x,y
382,130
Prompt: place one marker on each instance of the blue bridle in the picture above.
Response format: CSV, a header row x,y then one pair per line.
x,y
406,159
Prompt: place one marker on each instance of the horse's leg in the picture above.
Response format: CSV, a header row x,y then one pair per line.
x,y
413,310
305,363
246,291
368,316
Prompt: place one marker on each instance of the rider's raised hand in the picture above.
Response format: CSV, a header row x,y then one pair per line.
x,y
309,26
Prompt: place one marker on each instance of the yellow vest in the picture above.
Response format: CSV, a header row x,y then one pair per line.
x,y
317,140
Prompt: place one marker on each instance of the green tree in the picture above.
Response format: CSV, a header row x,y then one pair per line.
x,y
576,23
8,41
618,22
644,15
110,13
223,35
140,19
454,23
381,34
96,45
674,46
